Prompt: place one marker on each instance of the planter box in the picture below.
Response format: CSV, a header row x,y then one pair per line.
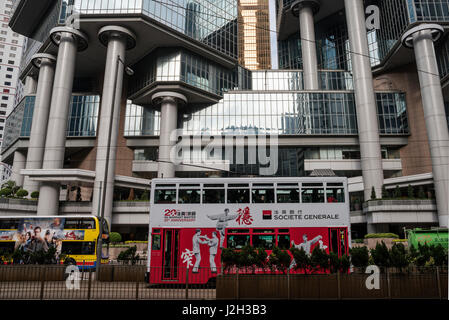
x,y
118,273
331,286
32,273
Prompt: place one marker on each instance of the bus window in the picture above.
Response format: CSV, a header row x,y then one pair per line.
x,y
335,195
263,195
312,195
238,195
156,242
287,195
189,196
79,223
9,224
214,195
78,247
284,241
237,241
7,247
165,196
264,241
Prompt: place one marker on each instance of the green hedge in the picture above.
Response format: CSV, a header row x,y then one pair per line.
x,y
115,237
381,235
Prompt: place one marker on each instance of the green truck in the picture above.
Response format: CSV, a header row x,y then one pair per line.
x,y
433,236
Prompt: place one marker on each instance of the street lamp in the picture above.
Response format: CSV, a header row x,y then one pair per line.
x,y
129,72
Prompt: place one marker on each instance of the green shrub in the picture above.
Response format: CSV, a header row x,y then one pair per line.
x,y
360,257
381,235
357,240
115,237
279,260
145,196
421,193
319,259
35,195
397,192
229,258
381,255
21,193
302,260
6,192
373,194
439,254
399,256
129,256
135,242
385,193
410,192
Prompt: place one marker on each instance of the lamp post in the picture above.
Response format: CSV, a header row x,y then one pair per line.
x,y
101,203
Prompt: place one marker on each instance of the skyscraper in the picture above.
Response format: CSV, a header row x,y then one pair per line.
x,y
11,45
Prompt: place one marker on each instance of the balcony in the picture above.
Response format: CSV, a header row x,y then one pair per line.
x,y
400,211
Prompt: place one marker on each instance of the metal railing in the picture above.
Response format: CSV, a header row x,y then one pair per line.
x,y
115,282
127,282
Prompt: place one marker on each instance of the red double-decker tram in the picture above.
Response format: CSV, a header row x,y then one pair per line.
x,y
192,220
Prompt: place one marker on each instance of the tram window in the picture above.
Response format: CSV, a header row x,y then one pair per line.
x,y
238,195
156,242
287,195
237,241
312,195
284,241
264,241
263,231
263,195
213,196
78,247
189,196
238,231
165,196
335,195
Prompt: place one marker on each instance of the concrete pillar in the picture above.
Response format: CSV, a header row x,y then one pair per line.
x,y
46,65
422,39
117,40
305,10
30,85
365,99
18,164
169,102
69,41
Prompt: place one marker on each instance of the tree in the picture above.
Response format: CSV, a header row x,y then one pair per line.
x,y
410,192
302,260
360,257
398,256
397,192
385,193
373,194
381,255
279,260
421,193
319,259
439,254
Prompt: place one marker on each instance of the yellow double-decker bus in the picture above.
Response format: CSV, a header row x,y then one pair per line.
x,y
72,239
